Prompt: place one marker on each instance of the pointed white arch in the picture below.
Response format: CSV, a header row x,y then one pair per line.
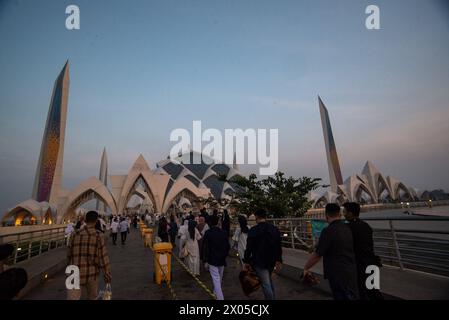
x,y
403,187
91,186
156,184
179,186
353,185
375,180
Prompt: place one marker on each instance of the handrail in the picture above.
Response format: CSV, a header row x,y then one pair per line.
x,y
409,246
420,218
26,232
30,244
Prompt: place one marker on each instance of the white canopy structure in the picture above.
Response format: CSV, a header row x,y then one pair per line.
x,y
159,189
368,187
32,211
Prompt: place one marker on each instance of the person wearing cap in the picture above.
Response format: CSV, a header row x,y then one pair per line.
x,y
335,246
263,252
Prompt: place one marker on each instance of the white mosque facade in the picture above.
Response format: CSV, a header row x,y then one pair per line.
x,y
172,184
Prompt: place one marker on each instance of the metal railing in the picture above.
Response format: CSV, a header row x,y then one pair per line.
x,y
407,244
417,243
28,245
296,233
318,213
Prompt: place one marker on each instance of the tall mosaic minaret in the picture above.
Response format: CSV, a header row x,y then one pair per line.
x,y
103,178
48,179
331,151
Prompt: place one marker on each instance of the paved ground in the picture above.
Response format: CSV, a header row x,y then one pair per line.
x,y
396,283
132,273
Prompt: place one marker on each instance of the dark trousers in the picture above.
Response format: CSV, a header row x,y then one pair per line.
x,y
342,290
123,235
114,238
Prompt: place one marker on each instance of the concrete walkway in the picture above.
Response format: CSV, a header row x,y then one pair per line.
x,y
132,279
394,283
132,274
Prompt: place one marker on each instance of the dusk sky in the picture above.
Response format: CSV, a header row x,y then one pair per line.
x,y
140,69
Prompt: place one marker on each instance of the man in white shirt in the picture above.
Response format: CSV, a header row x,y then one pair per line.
x,y
124,226
114,230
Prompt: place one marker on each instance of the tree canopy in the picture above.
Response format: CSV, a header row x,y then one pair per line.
x,y
278,195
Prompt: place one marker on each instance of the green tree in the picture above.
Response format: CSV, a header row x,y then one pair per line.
x,y
280,196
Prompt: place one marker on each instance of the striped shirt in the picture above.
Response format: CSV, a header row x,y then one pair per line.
x,y
88,251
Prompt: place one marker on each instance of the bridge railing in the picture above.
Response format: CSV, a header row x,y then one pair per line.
x,y
318,213
417,243
30,244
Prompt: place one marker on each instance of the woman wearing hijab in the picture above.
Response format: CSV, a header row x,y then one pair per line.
x,y
192,249
173,232
241,235
182,236
163,230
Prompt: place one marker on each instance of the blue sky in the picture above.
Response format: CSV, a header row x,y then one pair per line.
x,y
140,69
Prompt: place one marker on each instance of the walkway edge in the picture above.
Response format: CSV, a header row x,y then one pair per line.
x,y
42,268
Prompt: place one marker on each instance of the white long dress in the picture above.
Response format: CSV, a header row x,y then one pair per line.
x,y
240,237
182,233
193,258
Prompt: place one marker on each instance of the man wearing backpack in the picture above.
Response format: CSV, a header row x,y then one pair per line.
x,y
263,252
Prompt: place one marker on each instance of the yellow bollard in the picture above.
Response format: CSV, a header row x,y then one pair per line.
x,y
143,232
162,262
148,238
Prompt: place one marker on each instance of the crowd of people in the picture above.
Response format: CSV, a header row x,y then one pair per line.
x,y
204,242
117,224
346,246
